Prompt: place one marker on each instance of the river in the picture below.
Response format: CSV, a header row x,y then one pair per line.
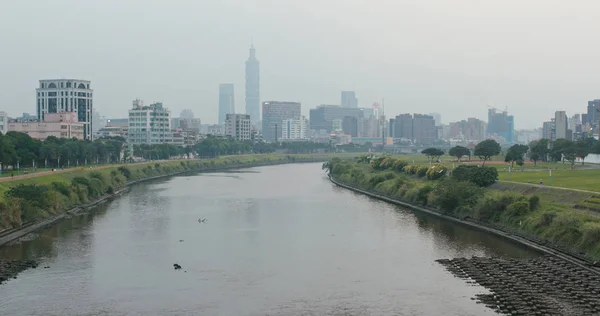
x,y
278,240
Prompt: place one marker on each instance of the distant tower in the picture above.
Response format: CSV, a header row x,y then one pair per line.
x,y
253,86
226,101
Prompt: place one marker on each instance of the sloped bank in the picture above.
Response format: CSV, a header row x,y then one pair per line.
x,y
580,262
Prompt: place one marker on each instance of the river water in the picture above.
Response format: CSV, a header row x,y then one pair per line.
x,y
278,240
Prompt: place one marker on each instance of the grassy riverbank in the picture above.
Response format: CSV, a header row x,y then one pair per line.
x,y
28,200
467,197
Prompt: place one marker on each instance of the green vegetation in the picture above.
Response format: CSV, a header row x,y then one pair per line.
x,y
31,199
487,149
463,194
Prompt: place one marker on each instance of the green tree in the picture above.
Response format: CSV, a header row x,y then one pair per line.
x,y
433,153
487,149
515,153
459,152
538,150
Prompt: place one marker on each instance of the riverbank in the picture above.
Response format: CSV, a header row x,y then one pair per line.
x,y
555,226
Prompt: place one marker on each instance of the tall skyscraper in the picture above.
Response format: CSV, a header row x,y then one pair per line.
x,y
253,86
226,101
349,99
274,113
560,123
67,95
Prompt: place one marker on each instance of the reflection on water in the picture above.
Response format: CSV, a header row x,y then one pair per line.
x,y
278,240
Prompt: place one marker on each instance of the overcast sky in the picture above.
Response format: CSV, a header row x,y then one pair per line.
x,y
453,57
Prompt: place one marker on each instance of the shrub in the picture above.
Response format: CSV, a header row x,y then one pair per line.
x,y
436,172
156,166
422,171
62,188
590,234
534,202
546,220
482,176
32,193
451,194
422,196
518,208
399,165
492,206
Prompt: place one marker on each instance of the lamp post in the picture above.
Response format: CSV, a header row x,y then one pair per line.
x,y
550,170
508,173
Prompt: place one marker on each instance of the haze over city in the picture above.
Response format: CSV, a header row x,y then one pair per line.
x,y
454,58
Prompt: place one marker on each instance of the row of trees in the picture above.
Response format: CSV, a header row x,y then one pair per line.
x,y
20,149
539,150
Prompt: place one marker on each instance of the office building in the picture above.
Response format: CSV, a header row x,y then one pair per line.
x,y
500,124
294,129
274,113
238,126
67,95
226,101
322,117
350,126
60,125
560,124
548,130
471,129
403,126
424,129
149,124
349,99
253,86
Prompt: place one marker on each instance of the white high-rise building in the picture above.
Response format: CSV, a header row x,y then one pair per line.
x,y
149,124
3,122
294,129
67,95
561,124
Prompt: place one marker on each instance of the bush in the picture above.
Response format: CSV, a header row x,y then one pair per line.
x,y
125,172
423,195
591,234
399,165
62,188
422,171
32,193
490,208
534,202
451,194
518,208
436,172
482,176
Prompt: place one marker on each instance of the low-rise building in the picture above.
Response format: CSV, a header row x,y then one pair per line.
x,y
294,129
149,124
238,126
61,125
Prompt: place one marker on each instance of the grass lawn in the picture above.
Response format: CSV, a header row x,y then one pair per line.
x,y
583,179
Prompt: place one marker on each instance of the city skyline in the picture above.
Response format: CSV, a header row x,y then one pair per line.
x,y
204,44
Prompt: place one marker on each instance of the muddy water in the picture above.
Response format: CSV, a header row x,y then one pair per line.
x,y
278,240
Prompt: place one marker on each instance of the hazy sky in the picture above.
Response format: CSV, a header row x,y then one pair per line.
x,y
452,57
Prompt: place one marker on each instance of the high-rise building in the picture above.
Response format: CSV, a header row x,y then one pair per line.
x,y
424,129
186,114
295,129
561,124
593,114
437,117
274,113
67,95
403,126
149,124
501,124
226,101
3,122
253,86
238,127
471,129
349,99
392,127
350,126
548,130
322,117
